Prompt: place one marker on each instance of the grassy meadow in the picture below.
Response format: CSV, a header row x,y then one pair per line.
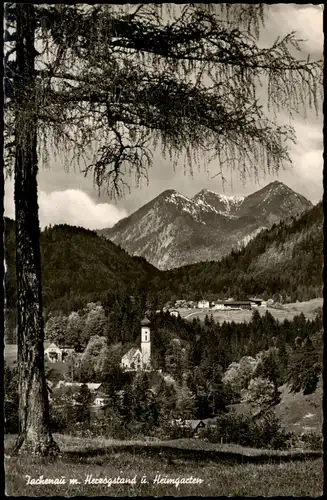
x,y
232,473
285,311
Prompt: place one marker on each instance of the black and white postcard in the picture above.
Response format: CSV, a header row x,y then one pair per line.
x,y
163,249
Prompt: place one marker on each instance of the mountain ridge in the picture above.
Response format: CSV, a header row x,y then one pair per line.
x,y
285,260
172,230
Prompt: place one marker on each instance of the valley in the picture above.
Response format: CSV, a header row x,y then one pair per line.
x,y
163,276
194,402
96,296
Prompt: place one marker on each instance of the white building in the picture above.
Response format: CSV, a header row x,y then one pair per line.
x,y
52,352
145,343
132,360
219,305
99,401
203,304
174,312
55,354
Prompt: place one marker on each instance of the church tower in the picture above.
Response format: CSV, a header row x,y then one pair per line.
x,y
145,342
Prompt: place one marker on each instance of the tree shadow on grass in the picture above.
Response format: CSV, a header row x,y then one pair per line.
x,y
168,454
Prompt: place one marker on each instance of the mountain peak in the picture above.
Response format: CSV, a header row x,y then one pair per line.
x,y
222,202
168,192
173,230
204,191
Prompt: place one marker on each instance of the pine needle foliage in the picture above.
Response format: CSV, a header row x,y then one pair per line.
x,y
116,82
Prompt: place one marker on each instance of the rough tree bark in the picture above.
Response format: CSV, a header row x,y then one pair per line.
x,y
34,428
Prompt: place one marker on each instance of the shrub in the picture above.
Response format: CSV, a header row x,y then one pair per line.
x,y
265,432
59,419
312,440
268,432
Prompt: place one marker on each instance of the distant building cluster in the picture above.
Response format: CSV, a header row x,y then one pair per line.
x,y
227,304
239,304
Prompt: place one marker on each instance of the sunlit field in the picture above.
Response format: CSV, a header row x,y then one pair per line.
x,y
285,311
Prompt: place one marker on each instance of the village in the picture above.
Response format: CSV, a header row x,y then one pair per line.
x,y
134,361
228,304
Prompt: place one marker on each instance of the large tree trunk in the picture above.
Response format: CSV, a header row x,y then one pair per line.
x,y
34,429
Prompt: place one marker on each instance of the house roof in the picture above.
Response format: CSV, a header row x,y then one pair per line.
x,y
208,421
52,345
46,344
131,354
193,423
234,302
93,386
145,321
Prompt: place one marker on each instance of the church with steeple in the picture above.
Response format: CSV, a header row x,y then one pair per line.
x,y
137,359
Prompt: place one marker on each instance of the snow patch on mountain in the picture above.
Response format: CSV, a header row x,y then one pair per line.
x,y
173,230
231,201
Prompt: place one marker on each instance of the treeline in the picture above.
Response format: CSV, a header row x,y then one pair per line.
x,y
210,343
118,320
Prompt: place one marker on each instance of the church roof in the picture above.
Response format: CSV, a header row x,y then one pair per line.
x,y
131,354
51,346
145,321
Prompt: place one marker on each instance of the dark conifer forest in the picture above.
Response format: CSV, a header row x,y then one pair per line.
x,y
78,267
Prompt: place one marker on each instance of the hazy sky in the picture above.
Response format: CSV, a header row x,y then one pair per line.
x,y
69,197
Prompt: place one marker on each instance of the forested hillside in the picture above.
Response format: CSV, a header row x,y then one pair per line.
x,y
285,261
79,267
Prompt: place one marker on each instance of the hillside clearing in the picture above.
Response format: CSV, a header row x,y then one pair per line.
x,y
285,311
298,413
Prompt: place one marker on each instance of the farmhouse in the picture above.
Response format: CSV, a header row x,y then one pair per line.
x,y
257,302
55,354
192,425
101,397
237,304
203,304
218,305
52,352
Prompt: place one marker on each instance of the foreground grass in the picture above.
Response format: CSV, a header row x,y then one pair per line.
x,y
218,477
